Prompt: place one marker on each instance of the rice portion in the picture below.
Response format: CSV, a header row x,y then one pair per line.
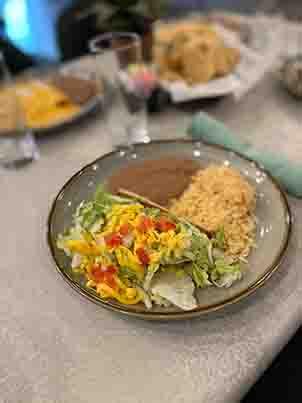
x,y
219,197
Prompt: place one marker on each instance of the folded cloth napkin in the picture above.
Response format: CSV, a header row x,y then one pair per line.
x,y
209,130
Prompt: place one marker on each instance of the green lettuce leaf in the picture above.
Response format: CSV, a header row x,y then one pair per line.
x,y
198,275
152,269
126,273
224,274
90,214
219,239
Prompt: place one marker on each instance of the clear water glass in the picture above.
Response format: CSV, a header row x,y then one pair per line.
x,y
17,143
118,58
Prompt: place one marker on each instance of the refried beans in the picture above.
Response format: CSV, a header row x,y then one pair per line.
x,y
160,180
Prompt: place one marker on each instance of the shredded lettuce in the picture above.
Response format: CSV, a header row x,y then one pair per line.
x,y
152,269
219,239
200,277
91,214
224,274
146,298
126,273
198,251
152,212
209,266
74,233
199,261
160,300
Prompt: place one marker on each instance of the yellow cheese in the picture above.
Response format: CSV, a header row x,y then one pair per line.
x,y
44,104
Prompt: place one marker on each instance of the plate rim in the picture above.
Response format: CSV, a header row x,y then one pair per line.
x,y
151,315
42,73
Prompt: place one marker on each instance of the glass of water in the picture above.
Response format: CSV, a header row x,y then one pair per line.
x,y
17,143
119,64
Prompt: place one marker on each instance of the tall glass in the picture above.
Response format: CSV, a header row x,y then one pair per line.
x,y
17,144
119,64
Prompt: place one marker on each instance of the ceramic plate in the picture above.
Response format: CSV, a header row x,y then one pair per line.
x,y
86,109
273,229
81,68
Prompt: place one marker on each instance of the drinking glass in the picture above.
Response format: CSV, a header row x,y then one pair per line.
x,y
119,65
17,143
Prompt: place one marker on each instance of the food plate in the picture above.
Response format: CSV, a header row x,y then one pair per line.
x,y
55,76
84,112
272,236
180,91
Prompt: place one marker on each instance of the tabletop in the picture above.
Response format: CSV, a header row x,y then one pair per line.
x,y
57,347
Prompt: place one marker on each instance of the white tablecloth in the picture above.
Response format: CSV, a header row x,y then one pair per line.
x,y
57,347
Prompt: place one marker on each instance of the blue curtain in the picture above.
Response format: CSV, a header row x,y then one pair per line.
x,y
31,26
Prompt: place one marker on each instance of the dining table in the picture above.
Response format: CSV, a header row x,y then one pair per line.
x,y
56,347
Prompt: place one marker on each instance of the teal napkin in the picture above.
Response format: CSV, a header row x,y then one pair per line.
x,y
209,130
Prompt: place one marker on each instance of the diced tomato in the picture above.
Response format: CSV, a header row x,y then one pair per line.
x,y
145,224
109,280
96,273
125,229
104,274
163,224
113,240
111,269
143,256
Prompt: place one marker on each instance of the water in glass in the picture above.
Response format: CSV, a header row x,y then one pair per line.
x,y
118,58
17,144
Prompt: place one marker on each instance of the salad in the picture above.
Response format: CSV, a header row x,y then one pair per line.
x,y
133,253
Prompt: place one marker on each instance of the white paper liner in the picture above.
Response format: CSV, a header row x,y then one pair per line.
x,y
272,39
